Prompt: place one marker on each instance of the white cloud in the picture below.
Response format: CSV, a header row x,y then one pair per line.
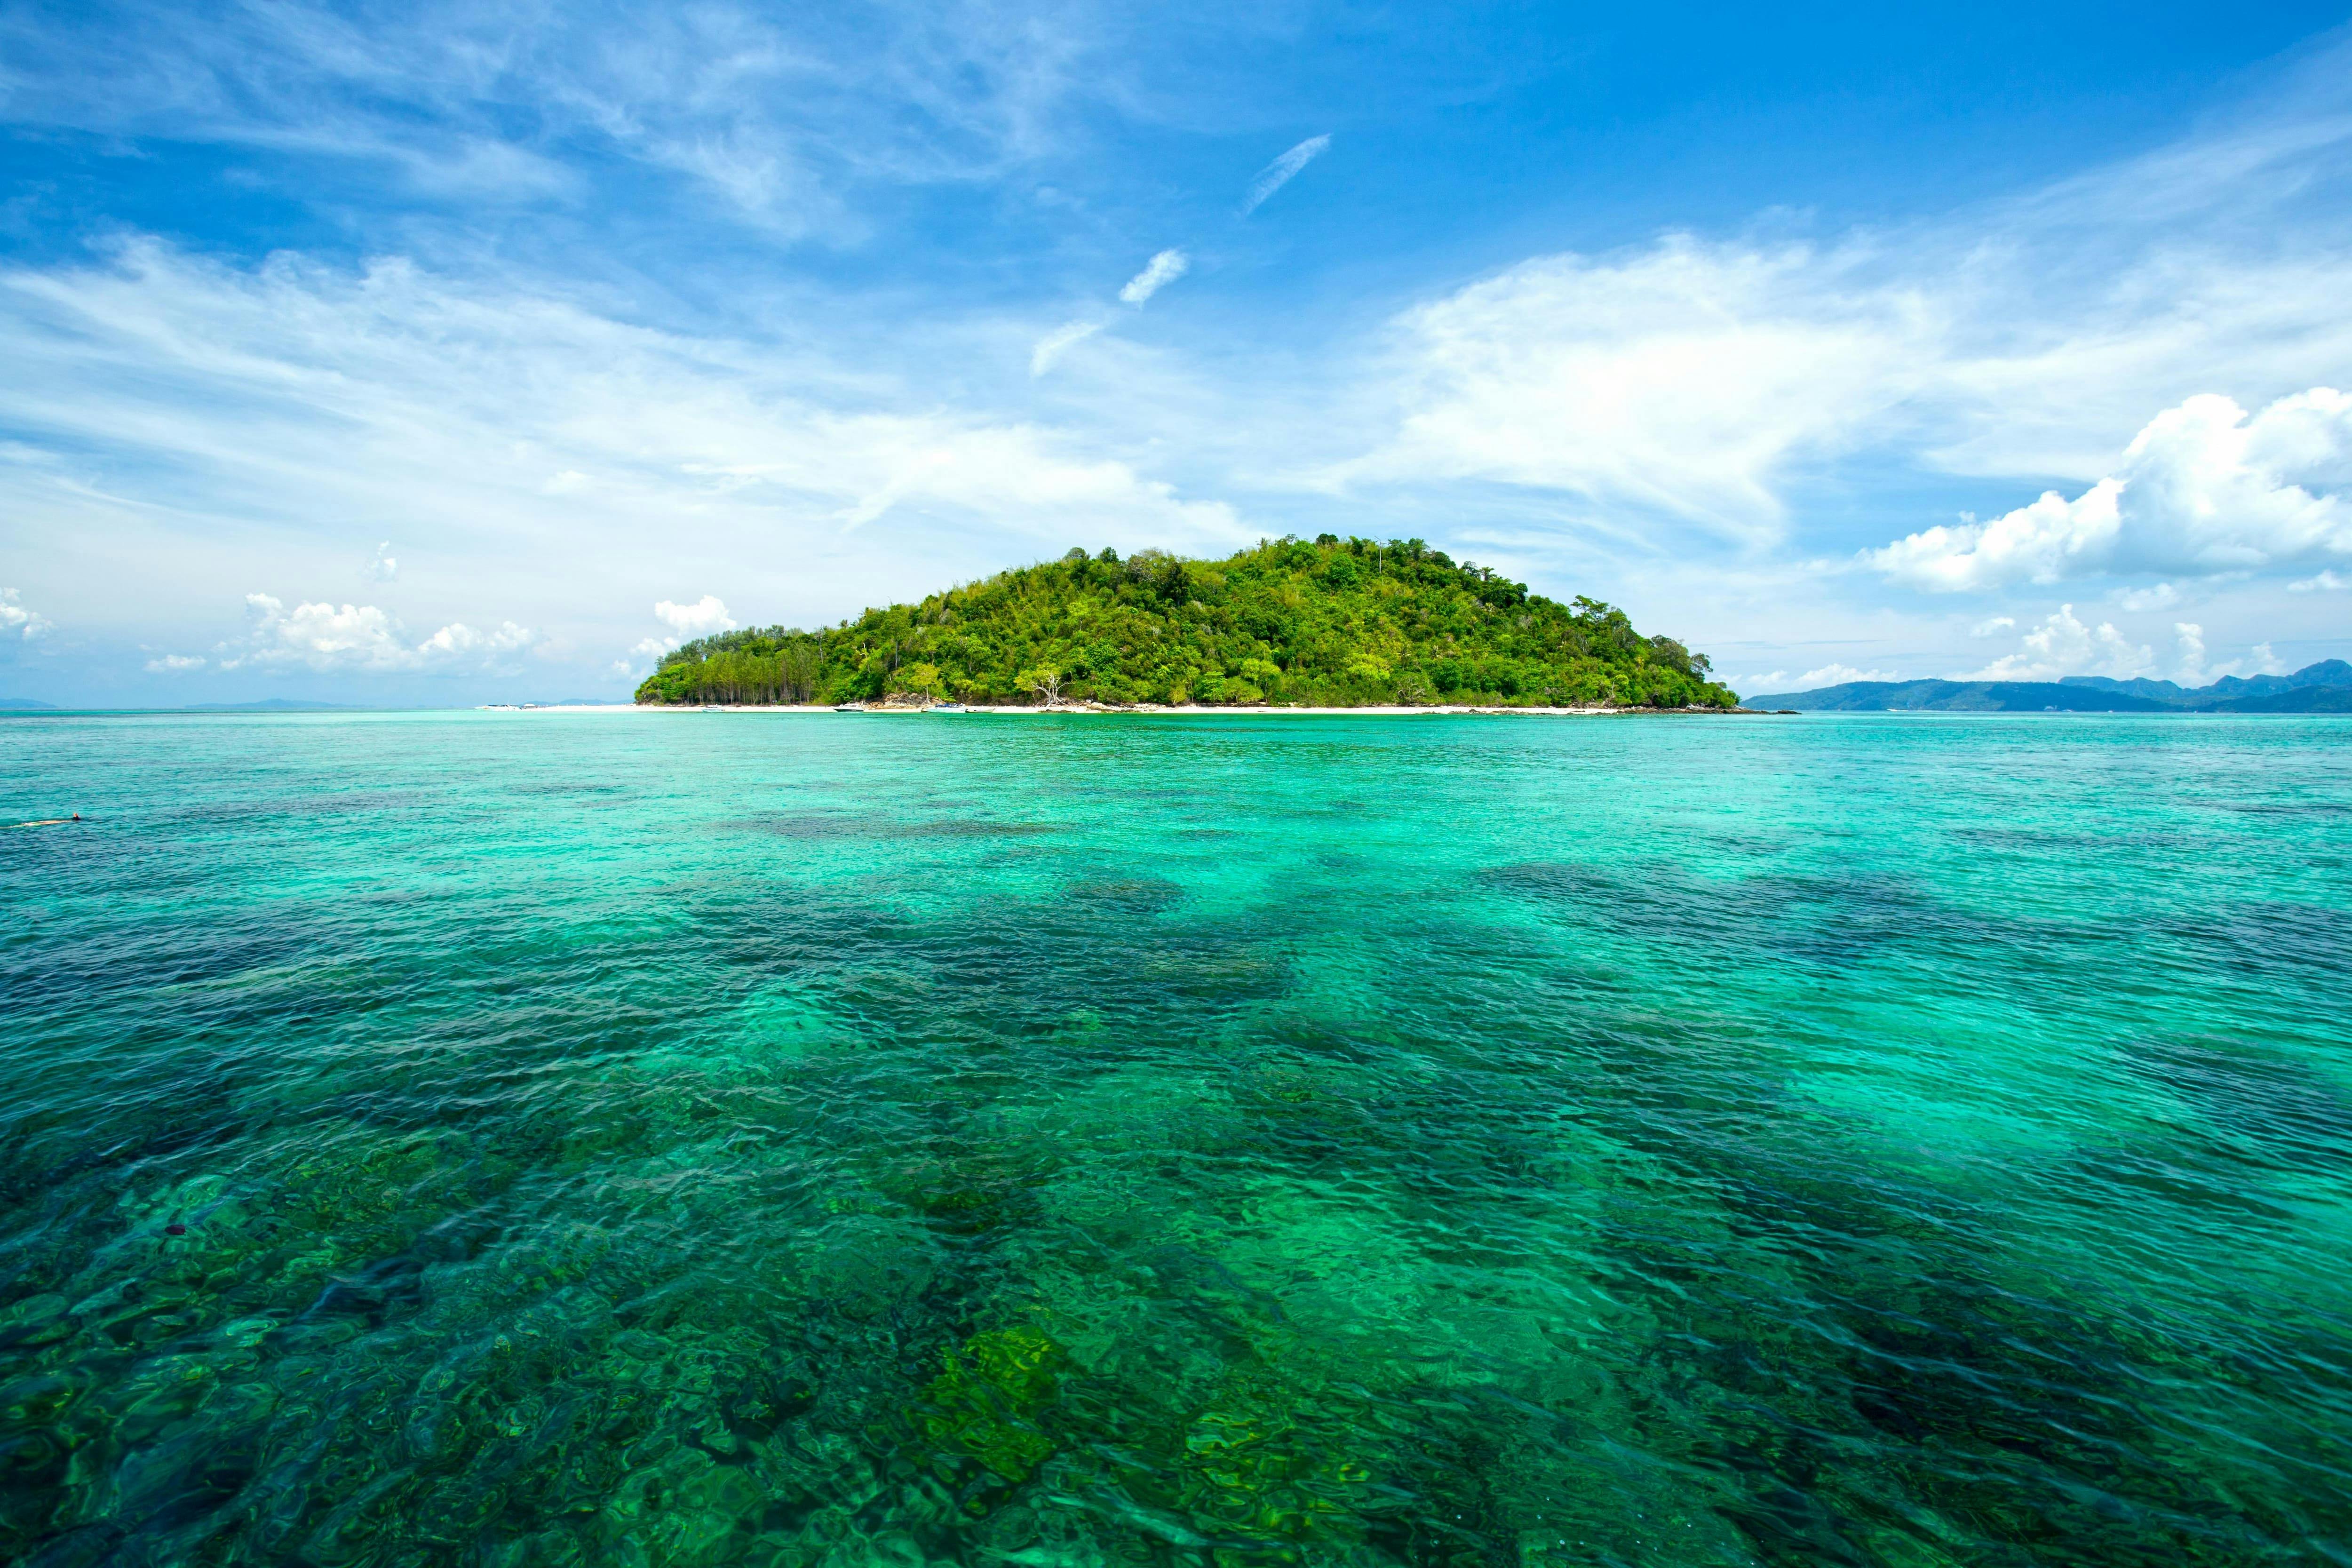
x,y
685,622
173,664
2326,583
1158,273
775,112
2195,672
14,617
704,616
2201,492
1986,628
246,404
887,462
1684,378
1057,342
2063,645
2192,638
459,639
1706,380
1775,682
382,568
1279,172
2163,597
1834,674
356,638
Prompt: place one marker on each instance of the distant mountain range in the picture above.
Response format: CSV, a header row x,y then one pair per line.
x,y
2323,688
25,704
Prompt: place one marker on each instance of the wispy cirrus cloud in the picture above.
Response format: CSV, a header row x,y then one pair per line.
x,y
777,113
1683,377
1060,340
1282,170
1165,267
1158,273
483,421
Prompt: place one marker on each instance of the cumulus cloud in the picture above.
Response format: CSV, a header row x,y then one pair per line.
x,y
2202,491
2325,583
174,664
382,568
2062,646
14,617
1280,173
1158,273
355,639
1986,627
704,616
2191,640
685,622
2195,672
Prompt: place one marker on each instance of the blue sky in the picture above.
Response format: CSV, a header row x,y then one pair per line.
x,y
442,353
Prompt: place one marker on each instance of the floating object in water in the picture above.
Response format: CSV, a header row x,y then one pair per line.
x,y
49,821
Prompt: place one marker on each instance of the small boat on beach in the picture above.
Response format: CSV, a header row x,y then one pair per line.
x,y
849,707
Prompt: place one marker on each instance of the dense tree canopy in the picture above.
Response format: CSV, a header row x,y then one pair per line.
x,y
1332,623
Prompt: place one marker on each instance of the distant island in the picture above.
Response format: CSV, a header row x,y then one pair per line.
x,y
1332,623
2324,688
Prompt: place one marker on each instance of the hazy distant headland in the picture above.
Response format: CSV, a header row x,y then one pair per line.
x,y
2325,687
1332,623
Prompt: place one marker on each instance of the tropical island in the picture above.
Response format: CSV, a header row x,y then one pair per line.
x,y
1336,623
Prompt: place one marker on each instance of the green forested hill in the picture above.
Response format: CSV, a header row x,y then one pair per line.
x,y
1337,622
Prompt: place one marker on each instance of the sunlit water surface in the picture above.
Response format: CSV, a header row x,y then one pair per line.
x,y
813,1139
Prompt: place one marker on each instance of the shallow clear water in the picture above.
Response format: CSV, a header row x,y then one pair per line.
x,y
678,1138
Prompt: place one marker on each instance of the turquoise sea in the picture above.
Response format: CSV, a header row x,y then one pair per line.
x,y
670,1138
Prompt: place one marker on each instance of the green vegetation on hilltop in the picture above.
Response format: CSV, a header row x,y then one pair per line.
x,y
1335,622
